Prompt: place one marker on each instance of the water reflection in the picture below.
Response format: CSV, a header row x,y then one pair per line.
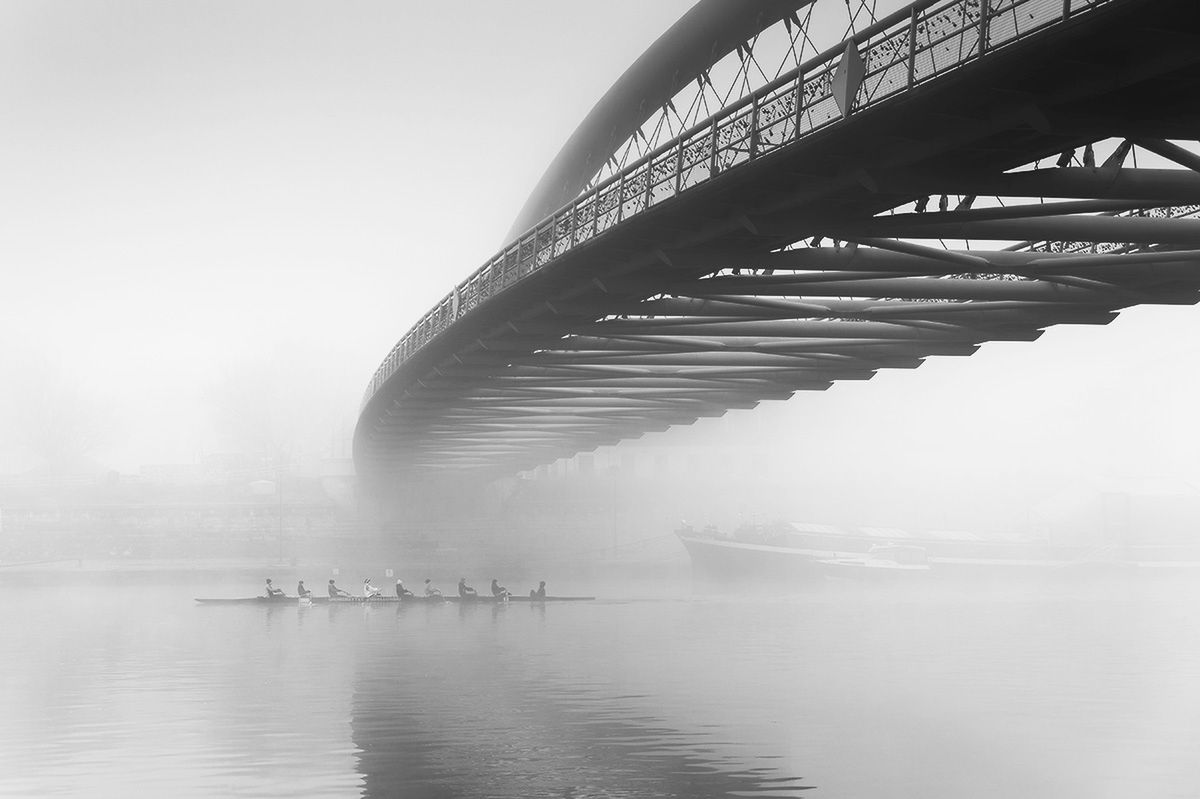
x,y
139,692
490,719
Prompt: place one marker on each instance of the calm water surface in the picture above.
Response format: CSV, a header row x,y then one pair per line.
x,y
1081,690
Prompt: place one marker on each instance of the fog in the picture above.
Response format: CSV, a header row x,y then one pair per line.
x,y
198,194
991,442
217,219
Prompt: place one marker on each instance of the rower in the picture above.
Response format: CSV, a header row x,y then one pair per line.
x,y
540,593
335,591
272,591
498,590
465,590
401,591
430,590
370,590
301,591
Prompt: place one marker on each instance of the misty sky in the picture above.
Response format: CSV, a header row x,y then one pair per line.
x,y
217,217
234,209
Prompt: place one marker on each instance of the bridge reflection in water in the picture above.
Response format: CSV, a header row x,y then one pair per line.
x,y
1065,691
1040,694
499,702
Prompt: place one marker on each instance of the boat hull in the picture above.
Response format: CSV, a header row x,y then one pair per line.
x,y
724,559
729,559
387,600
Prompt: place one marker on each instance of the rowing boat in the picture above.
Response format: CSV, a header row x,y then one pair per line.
x,y
388,600
487,600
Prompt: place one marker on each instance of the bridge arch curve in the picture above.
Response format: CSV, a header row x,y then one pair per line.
x,y
959,172
709,31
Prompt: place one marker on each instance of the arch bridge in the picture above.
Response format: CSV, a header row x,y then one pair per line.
x,y
780,195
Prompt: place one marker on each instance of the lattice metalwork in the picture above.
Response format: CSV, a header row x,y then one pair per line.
x,y
937,38
776,51
766,250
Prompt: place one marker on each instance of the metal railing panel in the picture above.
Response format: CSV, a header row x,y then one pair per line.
x,y
912,47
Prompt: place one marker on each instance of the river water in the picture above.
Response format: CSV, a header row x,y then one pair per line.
x,y
127,688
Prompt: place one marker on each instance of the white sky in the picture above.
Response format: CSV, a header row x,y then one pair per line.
x,y
216,218
196,193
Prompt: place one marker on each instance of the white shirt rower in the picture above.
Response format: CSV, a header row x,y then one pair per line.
x,y
370,590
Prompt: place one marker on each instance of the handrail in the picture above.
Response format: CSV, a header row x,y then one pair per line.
x,y
921,42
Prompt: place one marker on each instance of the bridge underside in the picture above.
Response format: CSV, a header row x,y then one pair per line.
x,y
812,265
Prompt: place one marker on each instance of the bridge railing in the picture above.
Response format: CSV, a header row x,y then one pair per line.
x,y
906,49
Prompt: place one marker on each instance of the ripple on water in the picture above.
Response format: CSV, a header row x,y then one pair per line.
x,y
138,693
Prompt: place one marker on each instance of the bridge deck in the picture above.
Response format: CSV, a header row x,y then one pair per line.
x,y
686,307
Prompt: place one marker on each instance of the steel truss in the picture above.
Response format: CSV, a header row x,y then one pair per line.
x,y
974,183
